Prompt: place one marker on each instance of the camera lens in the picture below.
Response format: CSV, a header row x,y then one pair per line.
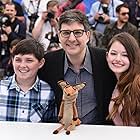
x,y
101,19
5,20
50,16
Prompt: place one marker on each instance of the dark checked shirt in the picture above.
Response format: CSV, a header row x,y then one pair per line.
x,y
16,105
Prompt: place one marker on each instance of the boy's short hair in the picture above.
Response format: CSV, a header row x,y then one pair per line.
x,y
29,46
14,42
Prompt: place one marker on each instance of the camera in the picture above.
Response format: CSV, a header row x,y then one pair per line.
x,y
33,19
53,39
100,19
105,10
5,20
50,16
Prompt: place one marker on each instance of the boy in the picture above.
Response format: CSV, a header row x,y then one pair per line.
x,y
23,97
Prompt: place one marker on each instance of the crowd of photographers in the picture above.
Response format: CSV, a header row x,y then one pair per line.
x,y
11,28
21,19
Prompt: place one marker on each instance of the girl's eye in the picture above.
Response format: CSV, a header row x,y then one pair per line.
x,y
125,55
112,53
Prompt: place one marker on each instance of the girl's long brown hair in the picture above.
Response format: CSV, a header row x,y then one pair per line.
x,y
128,84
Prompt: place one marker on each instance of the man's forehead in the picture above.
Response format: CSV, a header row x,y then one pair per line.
x,y
70,24
11,6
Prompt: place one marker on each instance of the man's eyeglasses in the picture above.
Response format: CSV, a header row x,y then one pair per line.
x,y
125,13
77,33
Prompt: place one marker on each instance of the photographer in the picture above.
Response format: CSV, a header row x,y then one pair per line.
x,y
45,26
32,10
19,14
103,12
10,29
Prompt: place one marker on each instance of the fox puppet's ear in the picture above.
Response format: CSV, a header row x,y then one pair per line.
x,y
62,83
80,86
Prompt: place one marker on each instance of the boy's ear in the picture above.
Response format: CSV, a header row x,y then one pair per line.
x,y
42,61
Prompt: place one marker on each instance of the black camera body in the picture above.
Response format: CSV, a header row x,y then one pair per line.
x,y
50,16
33,16
51,38
33,19
105,10
4,20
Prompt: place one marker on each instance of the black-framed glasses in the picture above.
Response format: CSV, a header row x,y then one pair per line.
x,y
77,33
125,13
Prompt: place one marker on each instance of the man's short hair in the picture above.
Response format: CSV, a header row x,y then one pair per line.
x,y
52,3
29,46
10,3
73,15
118,8
14,42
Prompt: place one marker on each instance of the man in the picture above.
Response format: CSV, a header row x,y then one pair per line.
x,y
32,9
77,63
134,18
121,25
23,97
102,13
19,14
133,10
11,29
46,25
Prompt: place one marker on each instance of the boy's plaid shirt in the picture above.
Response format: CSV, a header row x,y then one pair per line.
x,y
15,105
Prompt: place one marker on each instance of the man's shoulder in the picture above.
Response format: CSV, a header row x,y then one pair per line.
x,y
54,54
111,25
98,54
131,26
97,50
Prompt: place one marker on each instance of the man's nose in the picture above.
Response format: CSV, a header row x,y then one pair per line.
x,y
72,36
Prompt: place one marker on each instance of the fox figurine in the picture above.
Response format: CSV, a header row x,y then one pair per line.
x,y
68,114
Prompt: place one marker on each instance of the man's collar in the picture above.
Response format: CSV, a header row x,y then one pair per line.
x,y
86,64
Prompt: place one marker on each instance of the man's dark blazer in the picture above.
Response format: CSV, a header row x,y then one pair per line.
x,y
104,79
